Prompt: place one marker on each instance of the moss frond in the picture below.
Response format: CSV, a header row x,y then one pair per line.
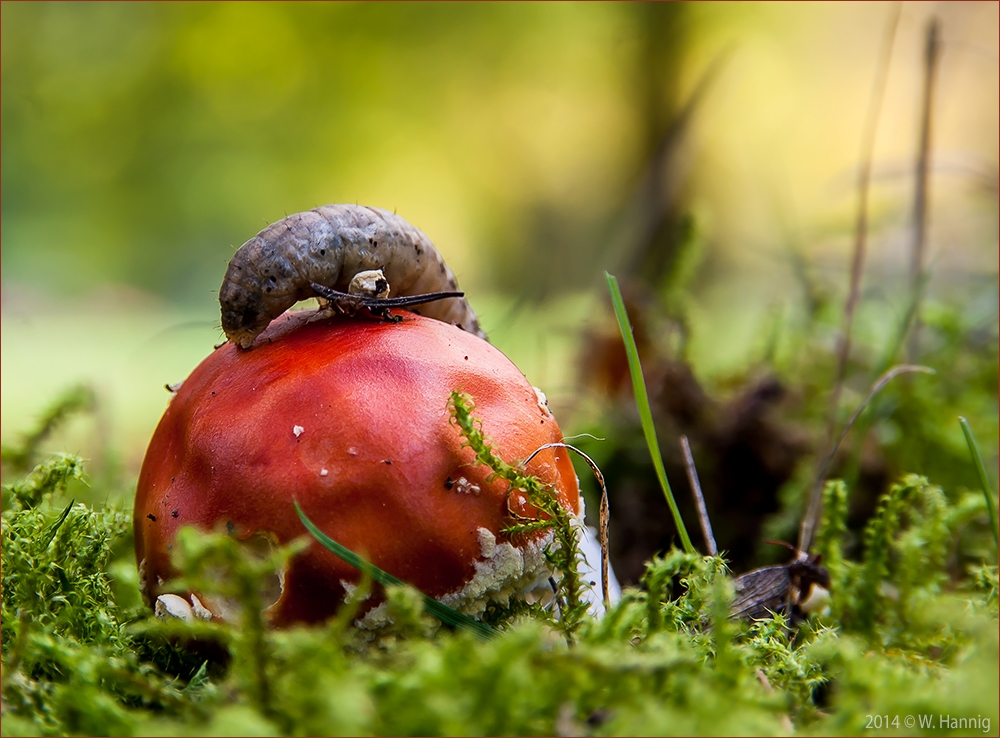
x,y
563,555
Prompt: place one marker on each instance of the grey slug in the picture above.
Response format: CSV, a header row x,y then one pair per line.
x,y
328,246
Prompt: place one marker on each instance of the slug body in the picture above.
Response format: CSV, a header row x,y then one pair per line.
x,y
328,246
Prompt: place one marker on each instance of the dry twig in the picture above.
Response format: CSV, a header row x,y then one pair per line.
x,y
699,499
605,513
921,207
861,224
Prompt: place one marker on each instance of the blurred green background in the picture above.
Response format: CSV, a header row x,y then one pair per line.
x,y
143,142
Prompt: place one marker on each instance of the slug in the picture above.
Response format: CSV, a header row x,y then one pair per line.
x,y
328,246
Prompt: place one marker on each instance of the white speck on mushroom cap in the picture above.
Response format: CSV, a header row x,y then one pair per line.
x,y
323,472
298,430
466,487
542,400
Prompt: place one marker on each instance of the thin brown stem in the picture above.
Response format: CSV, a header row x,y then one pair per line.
x,y
861,221
932,50
605,513
811,518
605,547
699,499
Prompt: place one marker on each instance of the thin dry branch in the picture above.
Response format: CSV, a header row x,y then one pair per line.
x,y
699,499
602,531
921,208
861,223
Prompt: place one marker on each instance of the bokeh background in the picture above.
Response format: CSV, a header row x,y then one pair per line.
x,y
708,150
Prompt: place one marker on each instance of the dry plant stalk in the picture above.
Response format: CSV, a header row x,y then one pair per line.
x,y
861,223
604,514
699,499
921,207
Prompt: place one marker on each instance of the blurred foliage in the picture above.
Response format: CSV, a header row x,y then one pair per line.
x,y
22,457
760,432
142,141
538,145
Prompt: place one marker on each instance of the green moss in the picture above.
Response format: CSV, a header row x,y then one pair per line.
x,y
563,555
908,636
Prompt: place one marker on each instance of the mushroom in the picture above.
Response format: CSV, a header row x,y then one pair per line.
x,y
350,418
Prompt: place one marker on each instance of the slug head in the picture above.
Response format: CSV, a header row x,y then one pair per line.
x,y
244,316
245,311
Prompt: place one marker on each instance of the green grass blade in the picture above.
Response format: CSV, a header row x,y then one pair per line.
x,y
642,403
439,610
977,459
55,526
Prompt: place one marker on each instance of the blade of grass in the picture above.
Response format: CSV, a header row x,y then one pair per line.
x,y
439,610
977,459
642,404
55,526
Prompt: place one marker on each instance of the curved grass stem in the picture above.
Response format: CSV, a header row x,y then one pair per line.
x,y
642,404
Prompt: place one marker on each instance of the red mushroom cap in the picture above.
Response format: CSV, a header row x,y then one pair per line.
x,y
350,417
